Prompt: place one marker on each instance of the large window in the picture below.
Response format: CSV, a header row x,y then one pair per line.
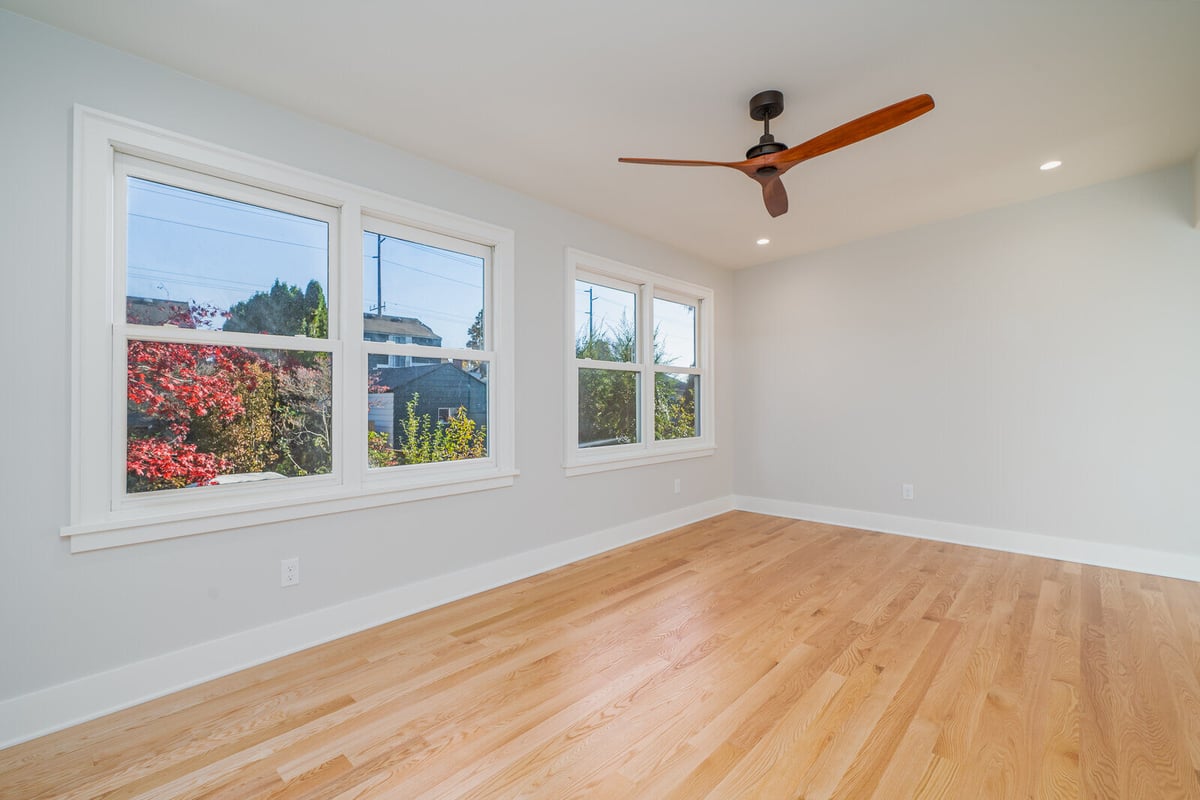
x,y
224,328
639,369
232,367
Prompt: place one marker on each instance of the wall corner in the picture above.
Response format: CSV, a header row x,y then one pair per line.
x,y
1196,190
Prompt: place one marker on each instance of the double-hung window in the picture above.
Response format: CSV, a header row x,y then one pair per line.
x,y
254,343
221,333
639,366
427,387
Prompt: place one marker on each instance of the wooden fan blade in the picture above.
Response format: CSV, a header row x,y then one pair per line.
x,y
854,131
678,163
775,196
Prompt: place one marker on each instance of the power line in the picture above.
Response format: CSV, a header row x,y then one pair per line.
x,y
182,277
190,196
433,274
324,248
432,250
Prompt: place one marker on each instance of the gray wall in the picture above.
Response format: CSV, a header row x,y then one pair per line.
x,y
1035,369
64,616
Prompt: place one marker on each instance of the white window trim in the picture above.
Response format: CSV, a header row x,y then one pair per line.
x,y
647,285
97,519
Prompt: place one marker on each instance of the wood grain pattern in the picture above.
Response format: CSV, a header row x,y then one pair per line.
x,y
745,656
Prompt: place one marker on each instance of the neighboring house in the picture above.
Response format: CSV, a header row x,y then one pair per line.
x,y
157,311
443,389
398,330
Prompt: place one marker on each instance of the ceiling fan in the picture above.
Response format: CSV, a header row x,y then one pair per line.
x,y
767,161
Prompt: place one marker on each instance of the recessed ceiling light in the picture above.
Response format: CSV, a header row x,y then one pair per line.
x,y
1049,165
763,241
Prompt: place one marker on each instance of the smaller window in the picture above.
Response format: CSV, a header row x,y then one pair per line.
x,y
429,398
639,374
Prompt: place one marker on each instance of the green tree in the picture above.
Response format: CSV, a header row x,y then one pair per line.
x,y
475,342
379,451
303,418
423,442
475,333
245,441
608,398
674,408
283,310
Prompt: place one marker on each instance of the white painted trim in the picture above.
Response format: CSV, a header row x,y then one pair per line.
x,y
37,713
1100,554
637,460
301,504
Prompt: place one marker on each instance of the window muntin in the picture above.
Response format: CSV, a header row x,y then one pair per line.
x,y
103,512
637,387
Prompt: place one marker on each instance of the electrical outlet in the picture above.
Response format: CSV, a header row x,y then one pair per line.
x,y
289,572
678,485
906,491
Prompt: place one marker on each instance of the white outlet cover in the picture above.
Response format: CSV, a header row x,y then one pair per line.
x,y
906,491
289,572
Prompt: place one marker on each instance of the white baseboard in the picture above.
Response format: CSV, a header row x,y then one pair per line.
x,y
44,711
1100,554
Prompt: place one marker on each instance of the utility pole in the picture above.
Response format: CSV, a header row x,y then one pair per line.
x,y
591,301
379,275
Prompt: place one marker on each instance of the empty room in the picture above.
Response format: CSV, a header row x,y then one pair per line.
x,y
624,400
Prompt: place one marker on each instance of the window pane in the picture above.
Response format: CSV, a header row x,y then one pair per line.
x,y
205,414
419,294
675,414
419,413
605,323
199,261
608,407
674,333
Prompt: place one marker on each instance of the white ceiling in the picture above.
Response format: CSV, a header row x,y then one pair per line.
x,y
543,95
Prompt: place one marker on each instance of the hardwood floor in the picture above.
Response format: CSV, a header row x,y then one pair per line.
x,y
744,656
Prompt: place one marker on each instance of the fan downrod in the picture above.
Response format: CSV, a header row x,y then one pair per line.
x,y
764,107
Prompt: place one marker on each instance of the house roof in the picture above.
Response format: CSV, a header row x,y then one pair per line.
x,y
397,326
156,310
528,94
396,378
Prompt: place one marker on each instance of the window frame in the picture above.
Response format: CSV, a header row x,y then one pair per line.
x,y
100,515
646,286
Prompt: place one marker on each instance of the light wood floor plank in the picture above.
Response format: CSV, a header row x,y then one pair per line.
x,y
745,656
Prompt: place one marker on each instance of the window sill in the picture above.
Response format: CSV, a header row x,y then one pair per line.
x,y
135,530
622,461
